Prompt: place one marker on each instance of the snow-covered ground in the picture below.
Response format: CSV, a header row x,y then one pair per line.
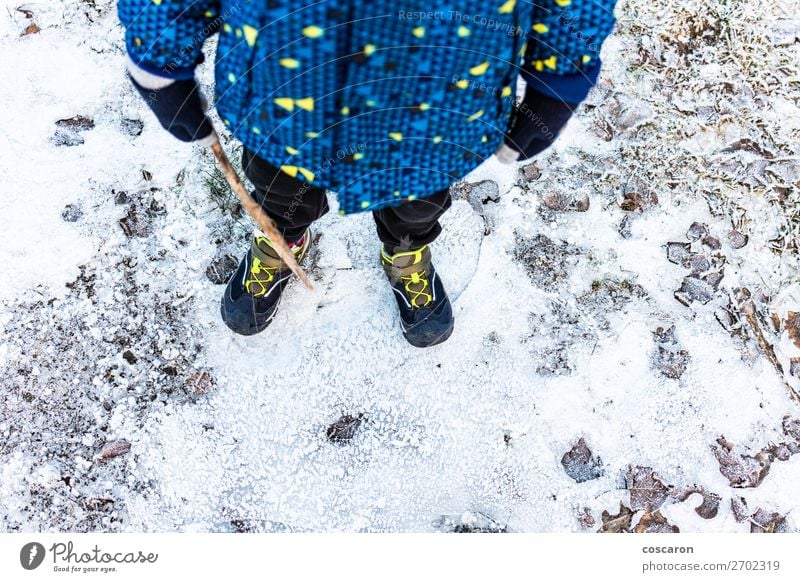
x,y
567,322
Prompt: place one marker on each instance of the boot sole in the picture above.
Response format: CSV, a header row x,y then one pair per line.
x,y
441,338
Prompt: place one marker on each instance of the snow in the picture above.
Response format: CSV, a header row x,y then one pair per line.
x,y
99,331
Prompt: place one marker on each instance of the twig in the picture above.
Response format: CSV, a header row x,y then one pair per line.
x,y
264,222
748,309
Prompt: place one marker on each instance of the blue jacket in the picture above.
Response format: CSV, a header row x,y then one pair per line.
x,y
378,100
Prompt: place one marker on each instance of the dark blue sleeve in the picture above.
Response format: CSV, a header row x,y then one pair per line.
x,y
165,37
562,57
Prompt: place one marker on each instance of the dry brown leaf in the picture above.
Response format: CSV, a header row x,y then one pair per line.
x,y
647,491
580,464
655,523
31,29
585,518
619,523
710,505
741,470
764,522
792,325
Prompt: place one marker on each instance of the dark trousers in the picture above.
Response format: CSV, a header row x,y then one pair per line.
x,y
294,205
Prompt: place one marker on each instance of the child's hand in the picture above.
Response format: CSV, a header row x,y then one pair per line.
x,y
180,108
534,126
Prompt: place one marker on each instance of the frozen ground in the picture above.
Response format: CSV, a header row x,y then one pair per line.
x,y
567,322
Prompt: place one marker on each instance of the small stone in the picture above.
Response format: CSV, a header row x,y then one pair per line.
x,y
694,289
344,429
697,263
712,242
120,197
200,383
737,240
68,131
561,202
678,252
77,123
71,213
581,203
713,279
114,449
530,172
696,231
131,127
129,357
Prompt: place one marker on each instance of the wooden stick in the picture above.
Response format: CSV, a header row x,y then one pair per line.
x,y
264,222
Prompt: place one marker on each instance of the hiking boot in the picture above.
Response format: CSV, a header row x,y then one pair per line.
x,y
254,291
425,312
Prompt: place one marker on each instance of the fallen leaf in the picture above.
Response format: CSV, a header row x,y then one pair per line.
x,y
739,508
220,270
764,522
619,523
694,289
585,518
791,427
647,491
31,29
655,523
792,325
638,201
668,357
579,463
709,507
741,470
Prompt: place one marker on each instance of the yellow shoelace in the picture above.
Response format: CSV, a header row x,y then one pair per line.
x,y
256,270
416,279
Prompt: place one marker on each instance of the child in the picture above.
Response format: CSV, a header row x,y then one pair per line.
x,y
383,102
